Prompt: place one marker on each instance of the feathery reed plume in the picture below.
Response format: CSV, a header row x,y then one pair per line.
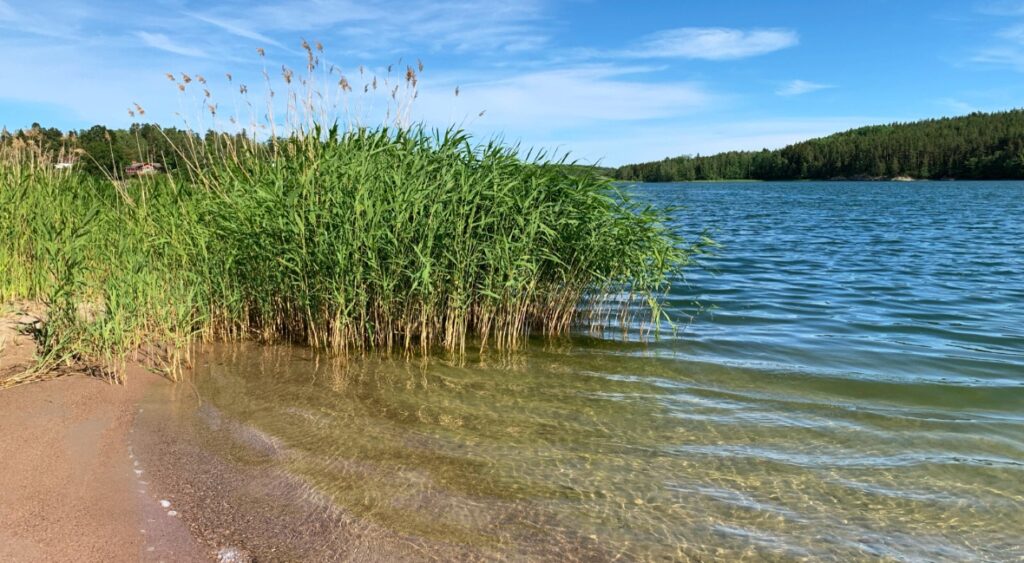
x,y
311,229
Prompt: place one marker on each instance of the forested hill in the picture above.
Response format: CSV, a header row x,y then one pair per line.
x,y
977,146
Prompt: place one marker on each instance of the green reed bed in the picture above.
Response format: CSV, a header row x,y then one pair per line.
x,y
372,239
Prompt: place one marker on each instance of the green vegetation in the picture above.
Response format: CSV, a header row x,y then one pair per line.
x,y
370,239
978,146
102,151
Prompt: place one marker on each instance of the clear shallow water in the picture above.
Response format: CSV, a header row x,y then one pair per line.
x,y
854,389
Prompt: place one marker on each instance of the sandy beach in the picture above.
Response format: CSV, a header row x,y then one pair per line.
x,y
96,472
70,489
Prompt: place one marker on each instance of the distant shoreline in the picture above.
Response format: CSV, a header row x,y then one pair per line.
x,y
982,146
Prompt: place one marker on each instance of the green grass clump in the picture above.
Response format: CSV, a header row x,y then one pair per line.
x,y
352,240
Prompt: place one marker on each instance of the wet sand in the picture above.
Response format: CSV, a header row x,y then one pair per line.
x,y
145,471
96,472
69,486
69,490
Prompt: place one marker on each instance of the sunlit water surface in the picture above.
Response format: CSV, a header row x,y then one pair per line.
x,y
852,388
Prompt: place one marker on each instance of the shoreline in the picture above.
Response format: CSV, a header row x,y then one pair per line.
x,y
141,471
70,485
236,495
69,482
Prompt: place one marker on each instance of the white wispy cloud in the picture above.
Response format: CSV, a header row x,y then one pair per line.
x,y
95,87
462,26
487,25
304,15
164,43
713,43
1002,8
1012,57
235,28
798,87
42,19
568,97
1014,34
6,12
1006,47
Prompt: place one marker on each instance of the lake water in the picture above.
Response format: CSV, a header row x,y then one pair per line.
x,y
851,386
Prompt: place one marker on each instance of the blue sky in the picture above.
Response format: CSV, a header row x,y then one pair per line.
x,y
614,82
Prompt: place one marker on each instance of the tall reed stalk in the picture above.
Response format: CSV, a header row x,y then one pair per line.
x,y
340,236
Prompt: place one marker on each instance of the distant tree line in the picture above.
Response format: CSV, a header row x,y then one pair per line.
x,y
100,150
980,146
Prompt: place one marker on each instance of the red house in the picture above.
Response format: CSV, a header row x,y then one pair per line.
x,y
143,169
